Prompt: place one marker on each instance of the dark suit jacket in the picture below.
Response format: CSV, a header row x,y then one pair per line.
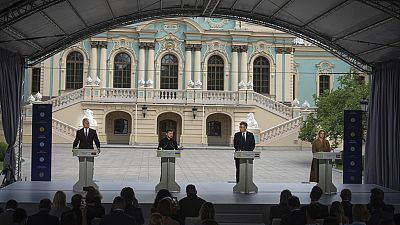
x,y
278,211
168,144
86,143
190,206
43,218
348,210
323,213
241,145
296,217
136,213
118,217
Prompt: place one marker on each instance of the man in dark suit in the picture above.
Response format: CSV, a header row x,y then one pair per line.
x,y
168,143
117,215
43,217
243,141
85,137
282,209
315,195
191,204
296,216
345,195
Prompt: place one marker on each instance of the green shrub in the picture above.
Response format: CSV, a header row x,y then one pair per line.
x,y
3,148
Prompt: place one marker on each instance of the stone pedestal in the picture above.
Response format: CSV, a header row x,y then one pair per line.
x,y
256,133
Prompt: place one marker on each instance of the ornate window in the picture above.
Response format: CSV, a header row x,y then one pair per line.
x,y
169,72
324,83
74,76
120,126
215,73
122,71
35,87
214,128
261,72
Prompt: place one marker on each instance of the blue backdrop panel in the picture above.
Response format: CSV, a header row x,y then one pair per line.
x,y
41,142
352,153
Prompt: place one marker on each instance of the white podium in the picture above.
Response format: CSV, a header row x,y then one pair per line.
x,y
246,184
167,180
325,170
86,168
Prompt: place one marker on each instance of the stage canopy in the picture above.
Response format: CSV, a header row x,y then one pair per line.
x,y
360,32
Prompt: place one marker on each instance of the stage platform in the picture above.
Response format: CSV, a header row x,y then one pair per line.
x,y
231,208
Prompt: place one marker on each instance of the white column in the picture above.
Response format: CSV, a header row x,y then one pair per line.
x,y
197,63
188,64
243,64
141,62
103,64
150,63
93,61
234,67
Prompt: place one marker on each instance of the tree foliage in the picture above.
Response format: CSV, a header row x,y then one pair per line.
x,y
330,109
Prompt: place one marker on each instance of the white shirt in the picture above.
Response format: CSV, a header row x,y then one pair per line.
x,y
86,130
244,135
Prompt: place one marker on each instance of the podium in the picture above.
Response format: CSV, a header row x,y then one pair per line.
x,y
325,170
167,180
86,168
246,184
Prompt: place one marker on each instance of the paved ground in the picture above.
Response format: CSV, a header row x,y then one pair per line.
x,y
127,164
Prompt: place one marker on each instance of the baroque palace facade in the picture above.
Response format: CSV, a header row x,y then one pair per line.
x,y
197,76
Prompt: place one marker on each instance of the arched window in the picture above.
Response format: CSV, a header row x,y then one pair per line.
x,y
261,72
121,126
74,75
122,71
169,72
324,83
215,73
214,128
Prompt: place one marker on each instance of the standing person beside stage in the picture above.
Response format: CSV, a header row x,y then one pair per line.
x,y
168,143
243,141
320,144
85,137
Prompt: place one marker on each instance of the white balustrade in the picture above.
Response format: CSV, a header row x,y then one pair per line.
x,y
285,128
67,99
169,96
272,105
63,129
220,97
118,95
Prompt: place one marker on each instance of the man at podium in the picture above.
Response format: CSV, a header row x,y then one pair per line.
x,y
85,137
168,143
243,141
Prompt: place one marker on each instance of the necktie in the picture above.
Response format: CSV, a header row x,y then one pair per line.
x,y
244,136
86,132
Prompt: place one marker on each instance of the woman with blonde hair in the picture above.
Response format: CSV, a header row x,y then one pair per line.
x,y
59,204
207,213
320,144
156,219
337,212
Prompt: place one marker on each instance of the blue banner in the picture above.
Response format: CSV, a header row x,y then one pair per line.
x,y
41,142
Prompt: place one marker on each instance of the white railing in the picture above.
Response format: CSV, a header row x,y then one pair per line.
x,y
272,105
67,99
169,96
64,130
118,94
220,97
281,130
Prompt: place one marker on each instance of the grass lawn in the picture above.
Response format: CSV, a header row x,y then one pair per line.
x,y
339,167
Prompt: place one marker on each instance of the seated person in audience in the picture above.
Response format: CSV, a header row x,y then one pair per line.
x,y
156,219
377,195
43,217
132,205
7,216
337,213
164,207
278,211
77,215
206,212
20,217
191,204
209,222
345,195
59,204
312,214
379,214
315,195
94,209
117,215
163,193
296,216
360,214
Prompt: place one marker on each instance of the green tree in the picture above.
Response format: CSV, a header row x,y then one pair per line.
x,y
309,128
331,106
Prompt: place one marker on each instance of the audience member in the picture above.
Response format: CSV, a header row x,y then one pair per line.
x,y
337,212
206,212
164,207
209,222
278,211
43,217
7,217
20,216
132,205
312,214
59,204
77,214
380,215
345,195
117,215
378,197
296,216
156,219
94,209
315,195
191,204
360,214
160,195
